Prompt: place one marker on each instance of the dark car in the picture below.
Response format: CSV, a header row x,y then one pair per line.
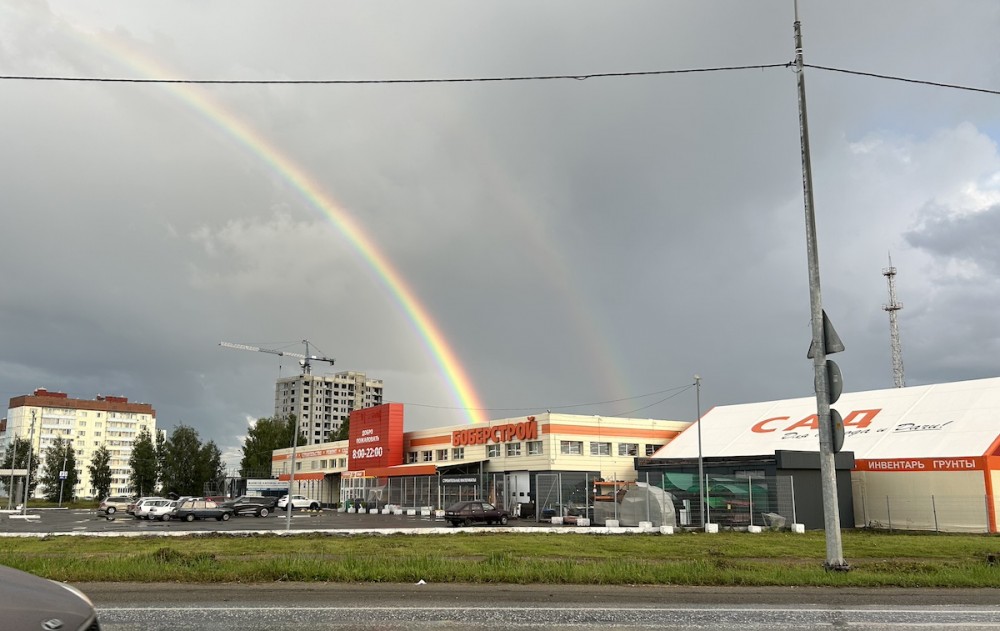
x,y
30,603
200,508
468,513
251,505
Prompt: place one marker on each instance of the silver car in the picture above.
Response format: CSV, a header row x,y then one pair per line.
x,y
30,603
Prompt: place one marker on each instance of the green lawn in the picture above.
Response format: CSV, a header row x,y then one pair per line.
x,y
876,559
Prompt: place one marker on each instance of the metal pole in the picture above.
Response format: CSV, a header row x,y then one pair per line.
x,y
291,474
27,477
701,461
750,496
791,481
62,480
13,465
828,472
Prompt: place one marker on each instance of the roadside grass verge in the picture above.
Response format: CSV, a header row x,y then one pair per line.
x,y
777,559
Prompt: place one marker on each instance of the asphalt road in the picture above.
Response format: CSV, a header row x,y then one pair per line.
x,y
304,607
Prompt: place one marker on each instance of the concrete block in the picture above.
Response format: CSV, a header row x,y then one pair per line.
x,y
373,511
712,528
352,510
799,528
645,525
397,511
386,511
612,523
666,530
411,511
582,521
557,521
425,512
753,529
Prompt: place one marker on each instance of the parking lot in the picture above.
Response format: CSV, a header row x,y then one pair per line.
x,y
63,521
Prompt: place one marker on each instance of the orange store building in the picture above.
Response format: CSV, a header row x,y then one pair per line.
x,y
381,464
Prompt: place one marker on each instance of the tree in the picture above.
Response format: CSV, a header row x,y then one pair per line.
x,y
182,454
143,464
59,456
100,471
344,431
266,435
211,470
161,454
16,457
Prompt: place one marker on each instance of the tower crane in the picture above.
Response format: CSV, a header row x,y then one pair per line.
x,y
304,360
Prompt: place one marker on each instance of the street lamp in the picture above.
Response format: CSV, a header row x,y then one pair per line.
x,y
701,462
63,474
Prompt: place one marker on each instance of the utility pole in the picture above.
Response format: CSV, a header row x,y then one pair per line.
x,y
13,465
27,477
62,472
828,472
701,462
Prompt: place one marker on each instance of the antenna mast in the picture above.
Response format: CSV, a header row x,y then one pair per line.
x,y
892,308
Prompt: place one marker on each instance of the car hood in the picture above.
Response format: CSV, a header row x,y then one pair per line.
x,y
28,602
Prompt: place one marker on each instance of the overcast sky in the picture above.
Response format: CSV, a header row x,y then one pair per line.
x,y
579,245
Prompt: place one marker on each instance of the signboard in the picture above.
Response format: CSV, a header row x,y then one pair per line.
x,y
261,486
376,437
14,472
527,430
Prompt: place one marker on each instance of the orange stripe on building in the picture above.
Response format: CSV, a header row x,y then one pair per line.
x,y
992,463
302,476
392,472
433,440
587,430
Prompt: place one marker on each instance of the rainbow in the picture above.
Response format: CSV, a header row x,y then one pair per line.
x,y
418,314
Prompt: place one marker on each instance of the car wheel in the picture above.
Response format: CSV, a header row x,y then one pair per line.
x,y
225,517
314,506
503,520
189,517
165,517
111,510
467,523
262,512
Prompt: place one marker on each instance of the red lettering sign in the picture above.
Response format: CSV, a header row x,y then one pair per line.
x,y
500,434
857,418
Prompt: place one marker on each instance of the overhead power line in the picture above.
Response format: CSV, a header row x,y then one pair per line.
x,y
676,390
875,75
578,77
512,78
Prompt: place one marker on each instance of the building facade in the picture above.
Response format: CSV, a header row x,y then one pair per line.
x,y
501,460
108,421
322,403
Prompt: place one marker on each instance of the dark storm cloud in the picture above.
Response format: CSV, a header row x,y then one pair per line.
x,y
575,241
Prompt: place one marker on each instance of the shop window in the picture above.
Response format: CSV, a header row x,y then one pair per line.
x,y
628,449
458,453
571,447
652,449
535,448
513,449
412,457
442,454
492,451
600,449
342,463
428,456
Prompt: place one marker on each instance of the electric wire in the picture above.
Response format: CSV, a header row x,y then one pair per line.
x,y
875,75
676,390
578,77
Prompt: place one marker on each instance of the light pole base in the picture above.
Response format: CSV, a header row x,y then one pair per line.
x,y
841,566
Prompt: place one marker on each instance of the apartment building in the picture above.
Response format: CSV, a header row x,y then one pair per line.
x,y
321,403
109,421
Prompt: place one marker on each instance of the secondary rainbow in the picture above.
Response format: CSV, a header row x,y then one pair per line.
x,y
355,235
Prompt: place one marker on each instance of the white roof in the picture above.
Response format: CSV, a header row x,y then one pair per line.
x,y
940,420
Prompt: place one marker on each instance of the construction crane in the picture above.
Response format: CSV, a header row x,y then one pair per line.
x,y
304,360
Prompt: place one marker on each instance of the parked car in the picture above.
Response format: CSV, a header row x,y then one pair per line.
x,y
115,503
30,603
298,501
200,508
252,505
134,508
468,513
155,509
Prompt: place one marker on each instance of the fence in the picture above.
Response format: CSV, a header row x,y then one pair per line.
x,y
937,513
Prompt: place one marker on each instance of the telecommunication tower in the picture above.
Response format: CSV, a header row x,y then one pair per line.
x,y
893,307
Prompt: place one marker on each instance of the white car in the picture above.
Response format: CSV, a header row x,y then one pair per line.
x,y
155,509
298,501
135,509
